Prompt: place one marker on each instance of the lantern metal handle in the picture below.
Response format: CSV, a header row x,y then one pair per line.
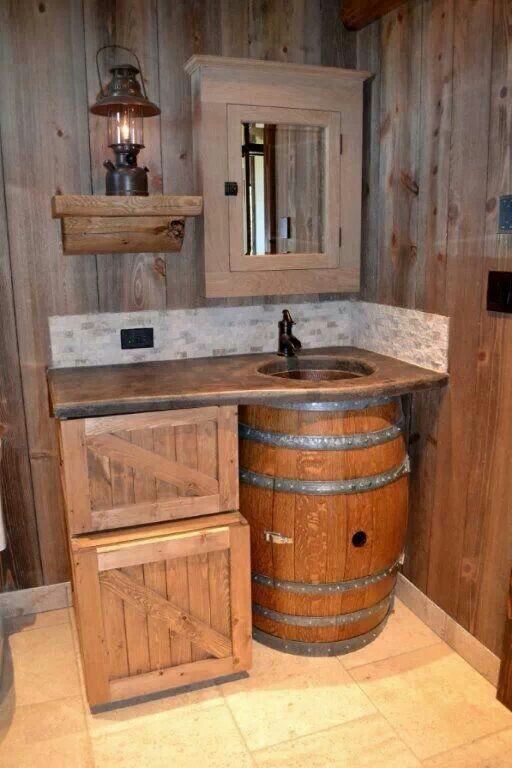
x,y
124,48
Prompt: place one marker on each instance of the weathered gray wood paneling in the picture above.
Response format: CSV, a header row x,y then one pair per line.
x,y
45,148
445,126
51,144
20,564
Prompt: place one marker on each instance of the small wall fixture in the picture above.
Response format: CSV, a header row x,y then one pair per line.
x,y
125,104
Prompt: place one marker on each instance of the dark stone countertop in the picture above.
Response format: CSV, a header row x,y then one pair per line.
x,y
113,389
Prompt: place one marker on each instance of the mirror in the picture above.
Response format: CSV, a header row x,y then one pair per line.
x,y
284,188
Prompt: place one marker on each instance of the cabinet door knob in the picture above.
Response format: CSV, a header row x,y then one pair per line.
x,y
277,538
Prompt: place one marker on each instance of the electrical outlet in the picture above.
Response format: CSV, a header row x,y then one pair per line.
x,y
505,214
499,291
136,338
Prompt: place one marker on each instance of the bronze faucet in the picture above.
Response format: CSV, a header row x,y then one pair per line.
x,y
288,344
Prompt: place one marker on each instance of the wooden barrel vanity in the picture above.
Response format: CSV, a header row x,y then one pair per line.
x,y
159,550
324,489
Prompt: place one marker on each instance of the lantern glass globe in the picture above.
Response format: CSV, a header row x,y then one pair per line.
x,y
125,126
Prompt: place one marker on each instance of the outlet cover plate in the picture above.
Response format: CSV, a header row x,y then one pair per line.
x,y
137,338
499,292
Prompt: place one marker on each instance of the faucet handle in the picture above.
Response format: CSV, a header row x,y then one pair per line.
x,y
288,344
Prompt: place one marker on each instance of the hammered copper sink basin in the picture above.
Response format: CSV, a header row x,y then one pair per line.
x,y
317,368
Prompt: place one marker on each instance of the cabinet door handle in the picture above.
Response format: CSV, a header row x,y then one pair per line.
x,y
277,538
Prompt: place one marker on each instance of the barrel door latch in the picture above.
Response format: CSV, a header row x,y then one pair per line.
x,y
277,538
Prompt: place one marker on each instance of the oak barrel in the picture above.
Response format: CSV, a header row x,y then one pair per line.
x,y
324,488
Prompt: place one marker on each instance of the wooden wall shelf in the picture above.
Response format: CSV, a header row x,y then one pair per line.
x,y
112,224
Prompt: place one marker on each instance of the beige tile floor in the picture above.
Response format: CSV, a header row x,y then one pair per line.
x,y
406,701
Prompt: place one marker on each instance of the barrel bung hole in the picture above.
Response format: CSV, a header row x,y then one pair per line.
x,y
359,539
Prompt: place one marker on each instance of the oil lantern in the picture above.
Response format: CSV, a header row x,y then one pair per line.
x,y
125,104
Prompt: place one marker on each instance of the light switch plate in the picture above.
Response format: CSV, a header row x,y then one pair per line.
x,y
505,215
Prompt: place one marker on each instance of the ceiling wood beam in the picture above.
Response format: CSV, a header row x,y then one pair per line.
x,y
357,14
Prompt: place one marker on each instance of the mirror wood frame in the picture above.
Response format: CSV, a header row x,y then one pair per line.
x,y
220,83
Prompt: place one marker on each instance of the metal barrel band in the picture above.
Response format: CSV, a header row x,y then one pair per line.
x,y
301,587
325,487
320,442
337,405
337,648
338,620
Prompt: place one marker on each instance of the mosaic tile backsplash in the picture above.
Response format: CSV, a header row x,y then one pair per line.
x,y
407,334
415,337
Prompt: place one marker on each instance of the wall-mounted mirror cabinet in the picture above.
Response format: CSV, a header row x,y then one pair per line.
x,y
277,154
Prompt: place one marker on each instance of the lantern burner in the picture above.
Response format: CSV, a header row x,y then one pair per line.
x,y
125,177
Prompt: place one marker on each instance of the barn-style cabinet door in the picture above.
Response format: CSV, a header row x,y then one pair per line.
x,y
149,467
162,606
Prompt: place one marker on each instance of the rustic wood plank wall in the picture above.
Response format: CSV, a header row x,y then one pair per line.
x,y
437,136
21,564
45,149
445,94
51,144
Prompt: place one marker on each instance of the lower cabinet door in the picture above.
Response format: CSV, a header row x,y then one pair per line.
x,y
163,606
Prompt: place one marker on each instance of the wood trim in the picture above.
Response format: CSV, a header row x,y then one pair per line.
x,y
227,437
122,234
156,511
162,679
241,618
23,602
356,14
505,678
152,604
185,478
126,554
113,205
133,421
466,645
296,281
350,183
75,475
107,538
256,65
87,600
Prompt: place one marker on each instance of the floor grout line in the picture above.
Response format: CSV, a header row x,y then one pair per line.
x,y
378,709
315,733
9,631
78,664
394,655
467,744
80,695
233,718
423,760
306,735
224,699
391,725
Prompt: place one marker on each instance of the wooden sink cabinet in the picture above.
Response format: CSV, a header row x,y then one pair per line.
x,y
160,555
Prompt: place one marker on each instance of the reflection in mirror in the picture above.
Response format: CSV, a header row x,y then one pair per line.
x,y
284,179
